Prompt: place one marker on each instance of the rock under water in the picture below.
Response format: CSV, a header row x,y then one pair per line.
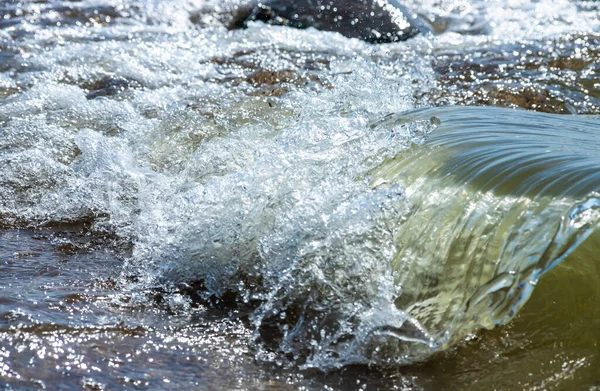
x,y
375,21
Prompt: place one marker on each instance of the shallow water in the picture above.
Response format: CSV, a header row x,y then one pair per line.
x,y
64,322
188,206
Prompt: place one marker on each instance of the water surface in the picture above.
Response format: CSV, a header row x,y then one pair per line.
x,y
188,206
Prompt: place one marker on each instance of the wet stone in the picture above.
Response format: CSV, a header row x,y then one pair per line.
x,y
7,59
109,86
254,59
370,20
61,14
101,15
251,69
274,77
229,15
526,98
554,76
6,92
276,83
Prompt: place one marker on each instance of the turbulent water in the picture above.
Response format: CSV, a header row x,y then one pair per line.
x,y
184,205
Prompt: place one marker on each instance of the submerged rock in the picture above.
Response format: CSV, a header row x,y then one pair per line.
x,y
109,86
558,75
375,21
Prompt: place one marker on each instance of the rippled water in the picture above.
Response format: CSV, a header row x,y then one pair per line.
x,y
188,206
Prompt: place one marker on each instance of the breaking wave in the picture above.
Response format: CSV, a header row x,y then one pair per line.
x,y
345,233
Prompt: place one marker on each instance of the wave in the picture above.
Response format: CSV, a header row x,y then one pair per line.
x,y
445,237
498,199
347,237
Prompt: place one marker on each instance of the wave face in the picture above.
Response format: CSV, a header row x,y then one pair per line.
x,y
262,166
497,199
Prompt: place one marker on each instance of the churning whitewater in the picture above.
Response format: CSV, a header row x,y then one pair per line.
x,y
302,177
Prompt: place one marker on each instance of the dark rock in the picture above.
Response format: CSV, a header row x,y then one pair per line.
x,y
229,15
109,86
375,21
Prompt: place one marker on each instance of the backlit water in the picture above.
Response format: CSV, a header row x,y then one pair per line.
x,y
188,207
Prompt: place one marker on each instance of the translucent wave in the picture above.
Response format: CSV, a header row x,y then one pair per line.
x,y
498,198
